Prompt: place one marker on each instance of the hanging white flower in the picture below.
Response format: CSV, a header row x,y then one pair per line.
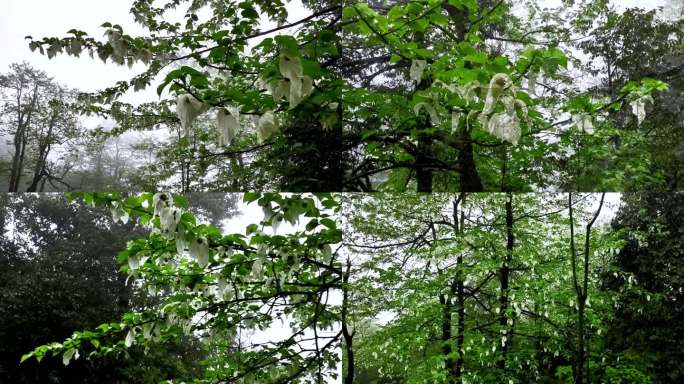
x,y
266,126
584,122
130,338
133,262
505,126
181,244
416,70
257,268
532,82
160,201
169,219
115,39
290,66
228,123
199,250
497,86
434,116
188,109
297,86
118,213
639,107
72,352
280,90
455,119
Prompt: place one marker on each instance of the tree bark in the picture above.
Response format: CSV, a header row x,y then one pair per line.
x,y
504,276
469,177
41,157
348,336
579,362
423,174
20,137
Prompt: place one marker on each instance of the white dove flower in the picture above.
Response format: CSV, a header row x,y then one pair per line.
x,y
266,126
199,250
434,117
169,219
532,83
130,338
416,70
297,86
181,244
505,126
228,123
257,268
115,39
455,119
639,107
188,108
160,201
584,122
118,213
499,83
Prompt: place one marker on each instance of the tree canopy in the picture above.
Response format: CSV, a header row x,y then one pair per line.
x,y
513,288
458,95
264,304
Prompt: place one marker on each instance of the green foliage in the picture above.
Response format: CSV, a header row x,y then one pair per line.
x,y
396,97
218,286
411,251
61,276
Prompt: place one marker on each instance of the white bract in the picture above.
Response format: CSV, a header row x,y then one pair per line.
x,y
133,262
116,41
118,214
188,109
416,71
130,338
297,86
430,109
266,126
499,84
160,201
639,107
532,83
503,125
72,352
455,119
169,219
257,268
199,250
228,124
584,122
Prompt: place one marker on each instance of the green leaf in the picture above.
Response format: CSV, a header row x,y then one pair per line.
x,y
251,196
181,201
331,224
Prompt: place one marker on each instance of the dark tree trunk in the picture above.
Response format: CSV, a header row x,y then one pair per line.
x,y
41,159
423,173
469,178
504,276
348,336
449,360
20,138
579,360
460,298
